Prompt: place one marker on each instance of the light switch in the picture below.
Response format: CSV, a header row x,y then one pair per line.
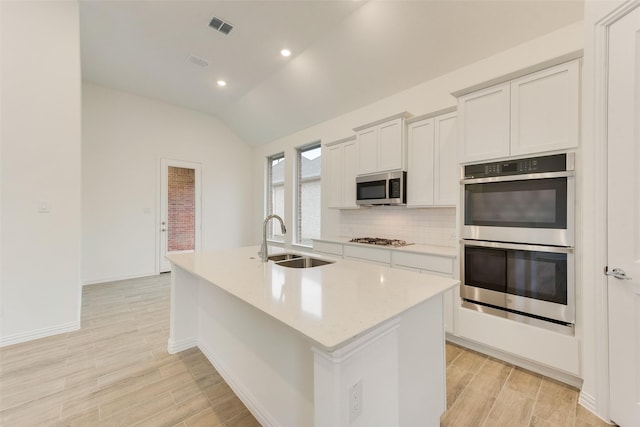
x,y
43,206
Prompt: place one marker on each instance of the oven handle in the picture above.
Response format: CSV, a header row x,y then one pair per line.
x,y
528,176
519,246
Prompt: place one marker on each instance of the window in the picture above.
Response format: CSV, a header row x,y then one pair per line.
x,y
308,194
275,194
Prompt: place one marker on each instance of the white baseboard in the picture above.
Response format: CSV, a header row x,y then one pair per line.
x,y
243,393
174,347
38,333
588,402
558,375
117,278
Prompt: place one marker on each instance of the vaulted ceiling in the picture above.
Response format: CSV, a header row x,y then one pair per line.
x,y
345,53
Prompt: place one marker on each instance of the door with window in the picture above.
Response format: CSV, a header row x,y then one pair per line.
x,y
180,209
623,145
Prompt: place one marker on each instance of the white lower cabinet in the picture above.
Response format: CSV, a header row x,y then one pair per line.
x,y
426,263
377,256
438,265
327,248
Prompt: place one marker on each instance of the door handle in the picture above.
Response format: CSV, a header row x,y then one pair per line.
x,y
618,273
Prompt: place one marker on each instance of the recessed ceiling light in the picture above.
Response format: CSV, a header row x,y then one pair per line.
x,y
222,83
285,52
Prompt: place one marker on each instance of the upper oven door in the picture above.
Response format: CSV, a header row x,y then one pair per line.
x,y
535,208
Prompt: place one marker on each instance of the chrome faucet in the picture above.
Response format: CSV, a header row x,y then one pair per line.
x,y
264,256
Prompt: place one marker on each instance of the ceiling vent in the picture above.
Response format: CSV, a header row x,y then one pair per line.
x,y
220,25
201,62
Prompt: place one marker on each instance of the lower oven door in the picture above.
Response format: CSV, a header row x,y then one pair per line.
x,y
530,280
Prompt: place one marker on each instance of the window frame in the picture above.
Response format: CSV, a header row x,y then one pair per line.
x,y
297,209
268,192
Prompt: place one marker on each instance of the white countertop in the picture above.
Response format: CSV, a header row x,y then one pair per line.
x,y
447,251
330,304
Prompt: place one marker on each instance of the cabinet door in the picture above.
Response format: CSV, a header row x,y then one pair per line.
x,y
544,110
336,176
484,124
368,150
378,256
446,167
350,158
390,147
420,173
329,248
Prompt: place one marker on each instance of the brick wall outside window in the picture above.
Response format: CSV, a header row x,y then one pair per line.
x,y
182,220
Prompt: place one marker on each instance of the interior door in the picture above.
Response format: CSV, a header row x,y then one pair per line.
x,y
623,126
180,209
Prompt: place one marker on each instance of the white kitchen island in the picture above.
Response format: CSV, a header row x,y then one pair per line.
x,y
344,344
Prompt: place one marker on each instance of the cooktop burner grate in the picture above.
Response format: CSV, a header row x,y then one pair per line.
x,y
379,241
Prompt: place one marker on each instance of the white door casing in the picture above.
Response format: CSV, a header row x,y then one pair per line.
x,y
623,216
163,264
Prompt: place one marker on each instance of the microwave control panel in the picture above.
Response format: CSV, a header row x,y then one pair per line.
x,y
555,163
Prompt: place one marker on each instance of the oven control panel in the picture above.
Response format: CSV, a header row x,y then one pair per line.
x,y
555,163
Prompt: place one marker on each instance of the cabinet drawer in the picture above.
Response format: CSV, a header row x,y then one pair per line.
x,y
327,248
435,263
368,254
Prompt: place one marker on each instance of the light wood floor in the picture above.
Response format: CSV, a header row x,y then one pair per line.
x,y
115,371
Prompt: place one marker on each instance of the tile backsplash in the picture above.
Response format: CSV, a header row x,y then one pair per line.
x,y
430,226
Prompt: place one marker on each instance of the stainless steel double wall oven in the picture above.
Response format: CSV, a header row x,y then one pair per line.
x,y
518,237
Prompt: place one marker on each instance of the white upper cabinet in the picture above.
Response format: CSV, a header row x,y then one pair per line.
x,y
368,150
420,170
484,123
446,167
544,110
381,145
432,165
341,174
532,114
391,146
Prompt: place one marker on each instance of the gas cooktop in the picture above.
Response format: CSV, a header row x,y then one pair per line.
x,y
379,241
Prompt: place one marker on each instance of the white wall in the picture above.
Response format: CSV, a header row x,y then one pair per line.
x,y
40,278
123,138
432,226
427,97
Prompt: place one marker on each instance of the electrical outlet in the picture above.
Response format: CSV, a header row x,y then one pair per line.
x,y
43,206
355,401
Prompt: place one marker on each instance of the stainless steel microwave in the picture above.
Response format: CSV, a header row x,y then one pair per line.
x,y
389,188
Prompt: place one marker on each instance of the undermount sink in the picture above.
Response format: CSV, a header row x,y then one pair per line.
x,y
304,262
283,257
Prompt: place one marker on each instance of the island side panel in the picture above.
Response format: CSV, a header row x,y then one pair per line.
x,y
266,363
183,321
421,342
401,368
356,385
